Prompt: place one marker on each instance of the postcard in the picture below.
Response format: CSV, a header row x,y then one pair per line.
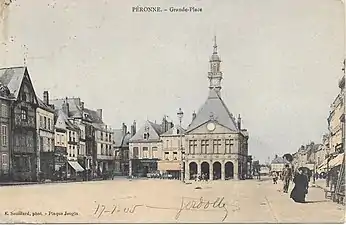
x,y
197,111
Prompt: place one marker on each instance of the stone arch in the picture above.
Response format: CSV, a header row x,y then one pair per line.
x,y
205,169
229,170
216,171
193,170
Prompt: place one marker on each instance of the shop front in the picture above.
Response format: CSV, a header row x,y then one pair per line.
x,y
141,167
170,168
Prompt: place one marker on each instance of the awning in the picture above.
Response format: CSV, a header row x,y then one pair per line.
x,y
165,166
323,165
76,166
336,161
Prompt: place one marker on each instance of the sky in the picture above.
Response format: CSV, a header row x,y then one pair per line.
x,y
281,60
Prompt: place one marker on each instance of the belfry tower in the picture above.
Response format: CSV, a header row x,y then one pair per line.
x,y
215,75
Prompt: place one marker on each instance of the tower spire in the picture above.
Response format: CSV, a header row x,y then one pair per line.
x,y
215,75
215,46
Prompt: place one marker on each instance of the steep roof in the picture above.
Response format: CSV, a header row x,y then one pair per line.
x,y
63,122
12,78
43,105
76,111
214,108
279,160
154,132
118,137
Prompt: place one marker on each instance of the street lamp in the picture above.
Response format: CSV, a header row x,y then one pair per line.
x,y
180,115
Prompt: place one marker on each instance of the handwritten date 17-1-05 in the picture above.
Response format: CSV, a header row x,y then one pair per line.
x,y
101,209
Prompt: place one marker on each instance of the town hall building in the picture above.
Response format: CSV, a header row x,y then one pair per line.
x,y
216,146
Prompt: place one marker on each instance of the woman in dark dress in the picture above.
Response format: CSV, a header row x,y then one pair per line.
x,y
300,188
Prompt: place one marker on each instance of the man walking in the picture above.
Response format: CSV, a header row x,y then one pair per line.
x,y
287,176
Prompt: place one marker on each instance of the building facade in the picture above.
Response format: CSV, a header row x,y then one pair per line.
x,y
105,157
216,145
5,124
145,148
45,137
335,120
121,146
23,159
173,142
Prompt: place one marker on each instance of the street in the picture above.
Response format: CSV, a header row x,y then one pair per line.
x,y
165,201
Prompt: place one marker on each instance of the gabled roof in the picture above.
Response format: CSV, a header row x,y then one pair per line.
x,y
118,137
61,116
173,131
279,160
214,108
154,132
76,111
12,78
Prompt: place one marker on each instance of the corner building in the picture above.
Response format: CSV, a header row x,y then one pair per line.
x,y
215,143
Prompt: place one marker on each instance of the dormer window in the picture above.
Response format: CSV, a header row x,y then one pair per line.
x,y
177,131
146,136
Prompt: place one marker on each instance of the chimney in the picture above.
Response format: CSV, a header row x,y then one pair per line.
x,y
46,97
239,122
82,105
124,128
99,113
133,128
66,107
193,115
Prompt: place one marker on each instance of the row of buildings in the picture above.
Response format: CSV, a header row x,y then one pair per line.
x,y
329,153
48,138
61,138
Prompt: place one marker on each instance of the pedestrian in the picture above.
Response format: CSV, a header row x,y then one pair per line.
x,y
300,188
287,176
275,178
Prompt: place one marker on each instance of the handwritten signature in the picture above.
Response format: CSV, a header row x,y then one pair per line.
x,y
187,204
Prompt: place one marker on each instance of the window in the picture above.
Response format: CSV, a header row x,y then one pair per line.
x,y
4,135
216,145
74,136
175,155
146,136
4,110
24,114
102,152
101,136
49,128
135,152
145,152
41,121
228,145
192,146
45,122
204,146
166,155
154,152
69,136
4,159
41,144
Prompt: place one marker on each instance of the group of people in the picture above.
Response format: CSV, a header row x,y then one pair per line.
x,y
300,180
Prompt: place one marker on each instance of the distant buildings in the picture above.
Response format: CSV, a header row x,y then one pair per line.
x,y
278,164
329,154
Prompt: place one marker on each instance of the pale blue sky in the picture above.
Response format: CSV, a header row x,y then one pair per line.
x,y
282,60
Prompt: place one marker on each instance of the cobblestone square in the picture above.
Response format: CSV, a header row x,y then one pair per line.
x,y
164,201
